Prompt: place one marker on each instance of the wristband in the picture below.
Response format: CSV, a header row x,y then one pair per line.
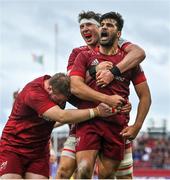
x,y
115,71
91,113
92,71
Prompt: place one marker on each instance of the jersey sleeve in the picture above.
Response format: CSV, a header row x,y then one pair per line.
x,y
38,100
80,65
138,75
71,59
123,43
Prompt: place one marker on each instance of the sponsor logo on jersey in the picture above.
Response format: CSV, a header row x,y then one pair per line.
x,y
95,62
119,78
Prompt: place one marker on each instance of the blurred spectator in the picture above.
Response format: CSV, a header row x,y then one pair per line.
x,y
53,162
151,152
15,94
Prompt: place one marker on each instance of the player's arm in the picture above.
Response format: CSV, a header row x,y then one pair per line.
x,y
83,91
55,113
135,55
144,96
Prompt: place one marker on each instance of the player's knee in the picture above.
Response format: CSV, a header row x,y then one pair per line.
x,y
84,170
11,176
106,174
84,173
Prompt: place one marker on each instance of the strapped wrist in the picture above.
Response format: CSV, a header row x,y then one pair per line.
x,y
115,71
92,71
93,112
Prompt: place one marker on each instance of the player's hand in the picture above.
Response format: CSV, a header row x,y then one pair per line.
x,y
114,101
126,108
104,110
104,77
130,132
104,65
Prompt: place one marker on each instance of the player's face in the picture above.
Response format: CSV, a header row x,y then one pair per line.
x,y
108,32
90,33
57,97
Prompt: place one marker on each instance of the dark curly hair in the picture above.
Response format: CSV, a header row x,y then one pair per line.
x,y
116,16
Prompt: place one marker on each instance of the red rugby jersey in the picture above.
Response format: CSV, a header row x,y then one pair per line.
x,y
75,52
118,86
26,132
122,43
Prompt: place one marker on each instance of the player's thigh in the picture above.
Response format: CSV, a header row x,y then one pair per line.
x,y
86,158
38,168
67,162
11,176
107,166
66,167
128,150
30,175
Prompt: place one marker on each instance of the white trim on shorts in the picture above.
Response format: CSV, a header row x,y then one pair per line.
x,y
69,147
126,165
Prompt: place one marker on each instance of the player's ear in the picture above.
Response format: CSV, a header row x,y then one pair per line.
x,y
49,89
119,34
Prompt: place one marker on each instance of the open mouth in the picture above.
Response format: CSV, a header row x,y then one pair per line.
x,y
88,36
104,35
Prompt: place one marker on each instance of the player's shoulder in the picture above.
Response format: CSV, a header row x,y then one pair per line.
x,y
80,49
37,84
88,53
38,81
122,43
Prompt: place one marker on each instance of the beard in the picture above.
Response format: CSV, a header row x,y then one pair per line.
x,y
109,42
